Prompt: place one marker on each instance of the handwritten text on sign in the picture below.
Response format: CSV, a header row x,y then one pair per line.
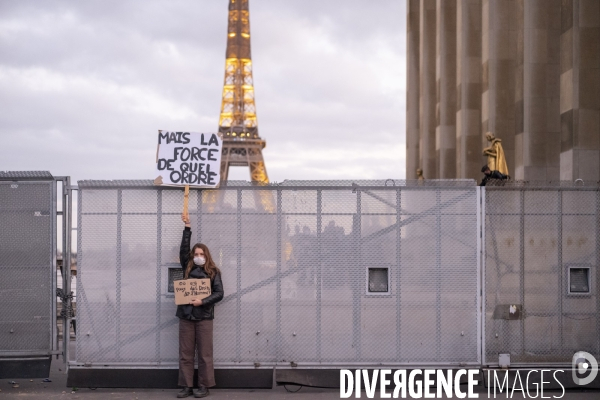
x,y
189,158
188,289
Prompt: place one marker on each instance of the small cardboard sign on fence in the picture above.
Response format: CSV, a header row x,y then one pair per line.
x,y
188,289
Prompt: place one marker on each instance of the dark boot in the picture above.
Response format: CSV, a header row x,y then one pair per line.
x,y
201,392
185,392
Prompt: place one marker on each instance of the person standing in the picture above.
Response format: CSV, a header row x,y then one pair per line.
x,y
196,318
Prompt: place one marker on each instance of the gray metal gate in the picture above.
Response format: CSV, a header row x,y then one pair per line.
x,y
27,264
315,273
542,249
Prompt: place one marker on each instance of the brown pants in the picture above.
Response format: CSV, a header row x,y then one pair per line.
x,y
196,335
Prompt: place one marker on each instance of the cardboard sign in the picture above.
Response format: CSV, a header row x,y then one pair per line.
x,y
188,289
189,158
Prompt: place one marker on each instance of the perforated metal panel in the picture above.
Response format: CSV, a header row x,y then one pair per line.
x,y
294,260
27,245
533,236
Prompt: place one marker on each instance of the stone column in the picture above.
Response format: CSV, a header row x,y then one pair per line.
x,y
518,172
412,90
427,89
541,89
468,88
446,89
580,90
499,51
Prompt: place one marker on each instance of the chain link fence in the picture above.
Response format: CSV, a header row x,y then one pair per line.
x,y
315,273
343,273
542,249
27,263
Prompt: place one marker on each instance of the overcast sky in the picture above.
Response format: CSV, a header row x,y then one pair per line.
x,y
85,85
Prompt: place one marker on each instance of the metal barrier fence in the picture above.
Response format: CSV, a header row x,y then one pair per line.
x,y
27,264
315,273
345,273
542,251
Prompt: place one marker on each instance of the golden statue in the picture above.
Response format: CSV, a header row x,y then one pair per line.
x,y
495,155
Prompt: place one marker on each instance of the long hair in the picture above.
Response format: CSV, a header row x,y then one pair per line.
x,y
209,266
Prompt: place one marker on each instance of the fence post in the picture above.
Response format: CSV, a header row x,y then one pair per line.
x,y
238,300
398,274
481,299
278,339
560,271
53,216
319,266
118,266
358,288
67,229
159,193
522,269
79,258
63,269
438,278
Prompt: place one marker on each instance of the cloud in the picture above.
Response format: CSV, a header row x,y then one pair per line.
x,y
86,85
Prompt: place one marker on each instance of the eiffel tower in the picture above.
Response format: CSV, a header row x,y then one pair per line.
x,y
242,145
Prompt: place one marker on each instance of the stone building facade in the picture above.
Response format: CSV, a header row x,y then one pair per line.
x,y
526,70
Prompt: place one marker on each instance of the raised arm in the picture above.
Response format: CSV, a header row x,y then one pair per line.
x,y
184,249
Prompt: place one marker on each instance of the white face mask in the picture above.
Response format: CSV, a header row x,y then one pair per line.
x,y
199,260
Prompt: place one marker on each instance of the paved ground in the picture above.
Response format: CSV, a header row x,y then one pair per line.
x,y
36,389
